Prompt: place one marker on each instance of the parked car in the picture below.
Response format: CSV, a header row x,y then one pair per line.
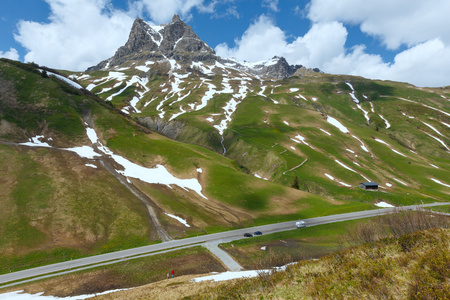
x,y
248,234
300,224
257,233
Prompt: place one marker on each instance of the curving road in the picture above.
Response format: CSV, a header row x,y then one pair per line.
x,y
212,239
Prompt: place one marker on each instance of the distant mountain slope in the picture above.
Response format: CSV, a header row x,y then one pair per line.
x,y
79,177
331,132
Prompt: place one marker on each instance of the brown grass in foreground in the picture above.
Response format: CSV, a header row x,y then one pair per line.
x,y
407,265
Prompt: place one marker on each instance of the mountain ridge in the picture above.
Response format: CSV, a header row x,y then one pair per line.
x,y
176,40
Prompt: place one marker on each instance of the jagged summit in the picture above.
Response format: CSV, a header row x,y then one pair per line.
x,y
177,41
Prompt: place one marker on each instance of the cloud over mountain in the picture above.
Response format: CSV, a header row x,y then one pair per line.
x,y
82,33
11,54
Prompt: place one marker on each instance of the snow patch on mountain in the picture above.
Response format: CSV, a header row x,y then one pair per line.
x,y
433,128
399,181
365,112
383,142
337,124
179,219
440,182
439,140
362,144
325,131
36,142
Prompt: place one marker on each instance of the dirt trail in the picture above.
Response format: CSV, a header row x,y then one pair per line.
x,y
105,162
138,193
108,164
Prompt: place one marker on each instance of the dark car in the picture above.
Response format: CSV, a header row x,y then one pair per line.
x,y
248,234
257,233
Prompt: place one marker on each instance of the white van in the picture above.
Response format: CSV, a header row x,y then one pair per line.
x,y
300,224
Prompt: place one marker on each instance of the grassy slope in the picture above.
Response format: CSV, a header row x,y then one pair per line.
x,y
259,139
371,271
53,206
62,207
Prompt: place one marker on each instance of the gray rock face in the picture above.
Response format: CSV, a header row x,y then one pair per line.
x,y
170,129
276,68
305,71
175,40
280,70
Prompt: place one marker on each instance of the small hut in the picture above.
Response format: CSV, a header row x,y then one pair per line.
x,y
369,185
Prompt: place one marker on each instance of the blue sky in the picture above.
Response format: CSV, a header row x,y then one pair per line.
x,y
401,40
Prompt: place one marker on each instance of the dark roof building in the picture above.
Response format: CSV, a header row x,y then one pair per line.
x,y
369,185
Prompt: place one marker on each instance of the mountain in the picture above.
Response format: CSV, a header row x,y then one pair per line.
x,y
177,41
166,130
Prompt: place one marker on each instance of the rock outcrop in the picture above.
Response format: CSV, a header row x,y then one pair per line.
x,y
175,40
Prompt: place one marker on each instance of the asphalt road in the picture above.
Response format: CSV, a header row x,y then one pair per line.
x,y
113,257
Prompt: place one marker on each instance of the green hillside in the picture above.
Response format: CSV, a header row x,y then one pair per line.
x,y
397,135
57,204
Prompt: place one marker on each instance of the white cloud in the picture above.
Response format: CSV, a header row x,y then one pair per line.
x,y
263,40
271,4
424,63
11,54
80,34
396,22
320,44
162,11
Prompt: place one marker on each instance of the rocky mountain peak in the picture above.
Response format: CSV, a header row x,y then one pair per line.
x,y
176,18
175,40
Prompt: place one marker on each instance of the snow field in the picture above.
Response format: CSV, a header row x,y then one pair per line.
x,y
35,142
337,124
399,181
350,169
388,125
384,204
440,182
157,175
439,140
231,106
366,113
181,220
329,176
362,144
434,129
258,176
383,142
325,131
300,139
239,274
66,80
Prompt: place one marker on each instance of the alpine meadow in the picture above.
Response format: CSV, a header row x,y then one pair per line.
x,y
166,141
